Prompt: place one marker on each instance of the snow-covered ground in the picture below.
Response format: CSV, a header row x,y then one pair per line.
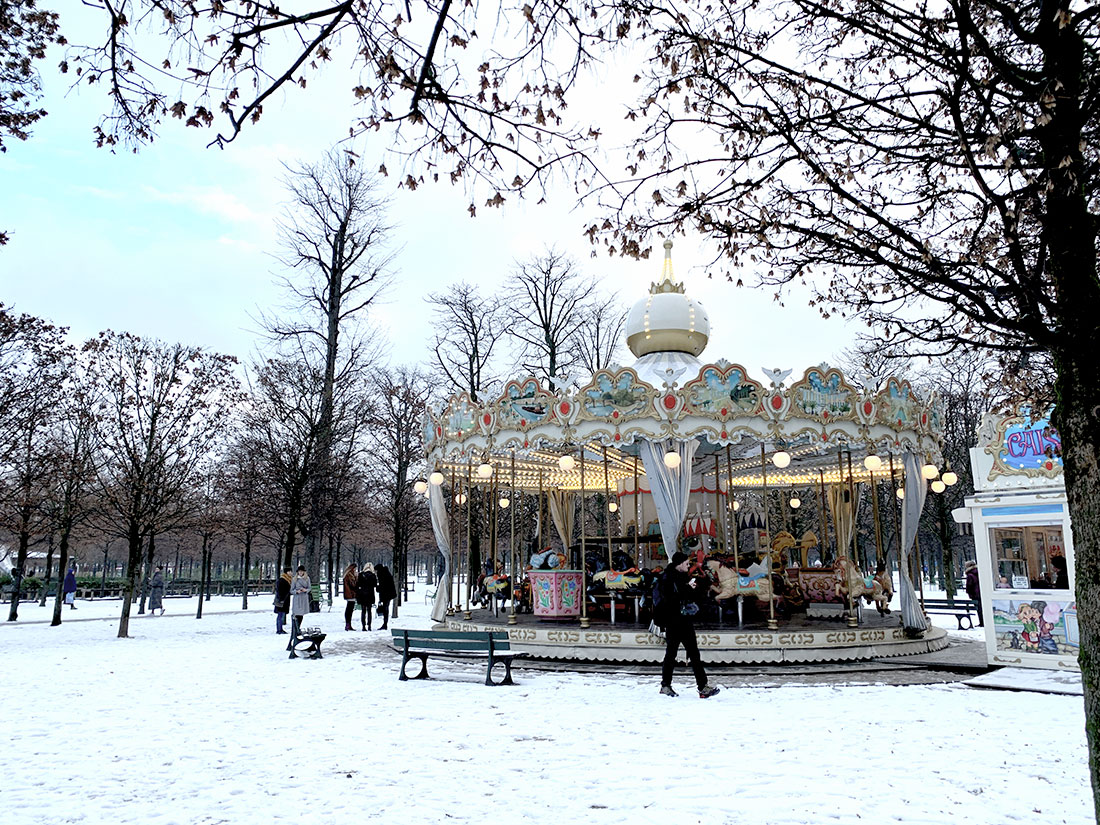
x,y
197,722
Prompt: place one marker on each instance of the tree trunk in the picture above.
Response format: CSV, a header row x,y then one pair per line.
x,y
62,564
209,568
247,566
103,577
17,576
202,575
150,549
948,552
49,571
133,573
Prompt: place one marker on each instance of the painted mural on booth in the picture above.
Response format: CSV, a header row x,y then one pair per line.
x,y
1036,626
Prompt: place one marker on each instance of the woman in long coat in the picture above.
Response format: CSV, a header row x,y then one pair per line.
x,y
351,577
299,596
387,592
156,592
364,594
282,601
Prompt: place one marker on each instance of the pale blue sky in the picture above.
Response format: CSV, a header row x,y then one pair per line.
x,y
174,241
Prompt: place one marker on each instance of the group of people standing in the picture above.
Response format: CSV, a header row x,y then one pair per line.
x,y
361,587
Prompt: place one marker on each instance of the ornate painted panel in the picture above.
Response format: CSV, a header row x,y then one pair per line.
x,y
615,396
524,404
724,391
824,395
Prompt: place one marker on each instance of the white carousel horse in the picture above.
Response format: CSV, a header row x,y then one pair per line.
x,y
851,584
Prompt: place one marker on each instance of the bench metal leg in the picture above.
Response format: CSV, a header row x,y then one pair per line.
x,y
507,680
423,674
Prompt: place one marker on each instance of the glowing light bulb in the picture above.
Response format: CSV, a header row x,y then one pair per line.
x,y
781,459
460,498
938,486
950,479
436,478
929,471
566,463
873,463
504,504
901,492
672,460
484,470
796,502
612,507
736,506
421,487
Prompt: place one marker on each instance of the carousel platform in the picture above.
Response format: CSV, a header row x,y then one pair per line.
x,y
799,639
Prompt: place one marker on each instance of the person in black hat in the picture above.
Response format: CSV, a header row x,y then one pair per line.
x,y
674,610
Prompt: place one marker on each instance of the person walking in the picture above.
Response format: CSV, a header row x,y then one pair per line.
x,y
974,589
69,587
387,592
282,601
156,591
364,594
674,610
299,598
351,579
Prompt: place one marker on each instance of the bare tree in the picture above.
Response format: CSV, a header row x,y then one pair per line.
x,y
548,303
74,449
163,409
32,372
599,340
334,233
396,449
468,327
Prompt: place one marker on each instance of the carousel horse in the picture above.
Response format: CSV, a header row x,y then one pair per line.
x,y
731,582
618,579
851,584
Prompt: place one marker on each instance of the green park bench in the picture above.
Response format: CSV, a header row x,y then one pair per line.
x,y
456,644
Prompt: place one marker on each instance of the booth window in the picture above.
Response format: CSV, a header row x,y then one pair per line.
x,y
1023,556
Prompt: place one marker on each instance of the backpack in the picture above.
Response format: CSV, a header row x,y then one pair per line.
x,y
659,606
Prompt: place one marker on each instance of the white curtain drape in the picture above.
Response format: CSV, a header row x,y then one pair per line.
x,y
561,512
443,542
912,619
844,515
670,487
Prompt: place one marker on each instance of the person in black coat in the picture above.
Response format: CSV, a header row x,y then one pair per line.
x,y
675,612
282,601
1061,573
387,592
974,589
364,594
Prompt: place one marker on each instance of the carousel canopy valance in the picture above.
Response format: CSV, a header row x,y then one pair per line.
x,y
737,422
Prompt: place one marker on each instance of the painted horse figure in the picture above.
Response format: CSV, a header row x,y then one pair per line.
x,y
730,582
618,579
851,584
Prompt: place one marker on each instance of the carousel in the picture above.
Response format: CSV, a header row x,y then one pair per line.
x,y
572,497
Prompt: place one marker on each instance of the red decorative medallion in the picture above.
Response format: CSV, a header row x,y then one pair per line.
x,y
725,434
565,408
523,422
670,402
1049,465
924,419
615,414
618,437
438,432
824,436
488,419
777,402
868,408
824,413
725,411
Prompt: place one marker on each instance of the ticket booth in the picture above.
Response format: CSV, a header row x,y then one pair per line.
x,y
1023,543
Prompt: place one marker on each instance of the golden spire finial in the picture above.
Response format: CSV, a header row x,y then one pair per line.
x,y
666,283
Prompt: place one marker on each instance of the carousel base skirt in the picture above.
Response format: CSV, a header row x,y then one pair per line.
x,y
798,639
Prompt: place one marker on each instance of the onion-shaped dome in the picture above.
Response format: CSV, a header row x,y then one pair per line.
x,y
666,320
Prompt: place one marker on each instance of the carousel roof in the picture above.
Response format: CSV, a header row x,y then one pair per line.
x,y
822,420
